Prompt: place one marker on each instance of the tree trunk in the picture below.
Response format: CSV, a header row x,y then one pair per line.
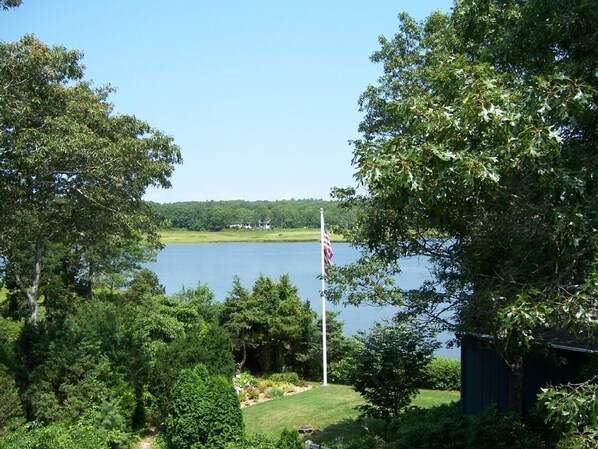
x,y
89,286
266,357
515,366
241,364
31,292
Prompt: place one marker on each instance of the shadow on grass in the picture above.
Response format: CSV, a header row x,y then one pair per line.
x,y
347,430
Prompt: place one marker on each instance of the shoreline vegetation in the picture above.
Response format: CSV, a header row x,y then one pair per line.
x,y
176,236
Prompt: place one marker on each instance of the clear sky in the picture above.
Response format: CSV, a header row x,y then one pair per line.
x,y
260,95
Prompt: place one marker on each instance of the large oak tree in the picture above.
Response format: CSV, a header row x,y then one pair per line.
x,y
479,152
72,172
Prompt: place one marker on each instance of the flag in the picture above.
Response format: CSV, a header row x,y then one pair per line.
x,y
327,247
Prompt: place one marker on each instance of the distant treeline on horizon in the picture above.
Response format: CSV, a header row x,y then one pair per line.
x,y
220,215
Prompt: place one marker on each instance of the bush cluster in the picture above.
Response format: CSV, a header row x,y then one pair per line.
x,y
250,388
446,427
289,377
442,374
287,440
56,436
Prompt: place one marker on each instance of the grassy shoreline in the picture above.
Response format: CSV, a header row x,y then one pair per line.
x,y
175,236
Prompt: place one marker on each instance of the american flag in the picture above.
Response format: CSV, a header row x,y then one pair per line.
x,y
327,249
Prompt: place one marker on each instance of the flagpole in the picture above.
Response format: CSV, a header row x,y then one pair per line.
x,y
324,357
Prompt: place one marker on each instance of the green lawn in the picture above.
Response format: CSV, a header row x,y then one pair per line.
x,y
331,410
243,235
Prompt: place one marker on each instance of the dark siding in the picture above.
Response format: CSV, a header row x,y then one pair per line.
x,y
555,368
485,377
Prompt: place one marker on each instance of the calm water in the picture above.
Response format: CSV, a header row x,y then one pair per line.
x,y
215,264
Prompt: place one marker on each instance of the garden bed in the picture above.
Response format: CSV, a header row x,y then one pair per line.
x,y
253,390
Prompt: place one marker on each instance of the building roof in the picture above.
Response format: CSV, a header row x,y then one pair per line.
x,y
554,338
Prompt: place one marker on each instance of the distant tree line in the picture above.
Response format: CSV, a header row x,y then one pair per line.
x,y
219,215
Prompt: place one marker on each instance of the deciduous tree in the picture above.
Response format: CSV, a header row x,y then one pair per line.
x,y
389,365
479,152
72,172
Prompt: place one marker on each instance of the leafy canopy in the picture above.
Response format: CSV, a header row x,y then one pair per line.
x,y
478,151
73,172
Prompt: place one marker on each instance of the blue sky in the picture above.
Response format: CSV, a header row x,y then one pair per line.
x,y
260,95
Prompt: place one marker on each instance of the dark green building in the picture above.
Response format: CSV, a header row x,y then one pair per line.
x,y
485,379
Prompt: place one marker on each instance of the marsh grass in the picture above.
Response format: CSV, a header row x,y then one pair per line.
x,y
174,236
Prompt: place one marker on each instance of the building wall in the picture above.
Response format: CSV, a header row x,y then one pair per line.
x,y
485,377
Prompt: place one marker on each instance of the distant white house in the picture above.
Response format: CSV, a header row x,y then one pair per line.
x,y
263,224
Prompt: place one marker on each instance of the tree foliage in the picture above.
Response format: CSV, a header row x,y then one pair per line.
x,y
272,327
56,436
389,366
478,151
72,173
573,410
11,409
205,413
217,215
6,4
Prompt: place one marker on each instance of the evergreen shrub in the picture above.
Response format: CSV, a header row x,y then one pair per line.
x,y
289,440
205,411
11,410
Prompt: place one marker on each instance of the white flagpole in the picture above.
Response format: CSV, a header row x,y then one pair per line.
x,y
324,357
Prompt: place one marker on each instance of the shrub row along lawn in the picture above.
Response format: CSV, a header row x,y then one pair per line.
x,y
331,410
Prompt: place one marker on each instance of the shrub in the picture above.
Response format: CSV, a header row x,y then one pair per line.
x,y
205,411
56,436
109,417
442,374
389,366
11,410
244,380
365,442
493,429
274,392
253,393
339,372
206,344
288,440
443,426
289,377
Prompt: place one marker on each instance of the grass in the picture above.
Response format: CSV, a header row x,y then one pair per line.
x,y
331,410
244,235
